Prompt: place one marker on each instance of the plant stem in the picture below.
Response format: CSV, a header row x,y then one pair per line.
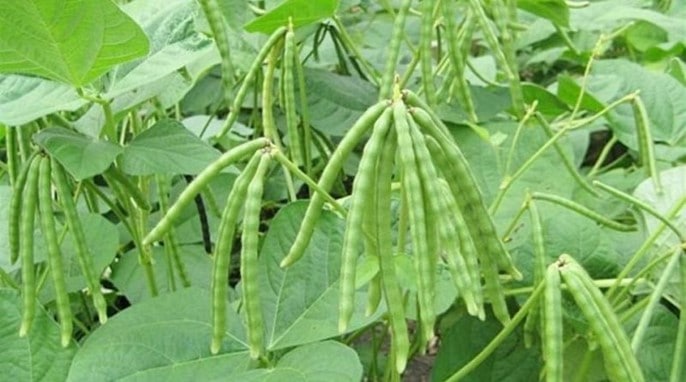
x,y
499,338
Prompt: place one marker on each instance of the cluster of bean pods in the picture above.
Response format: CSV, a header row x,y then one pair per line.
x,y
448,219
32,196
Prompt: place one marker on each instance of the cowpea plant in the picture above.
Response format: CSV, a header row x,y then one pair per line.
x,y
331,190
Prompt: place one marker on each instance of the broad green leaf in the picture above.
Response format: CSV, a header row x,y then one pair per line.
x,y
547,103
607,15
554,10
69,41
129,276
300,303
36,357
468,336
335,102
172,330
23,98
175,44
222,367
569,91
659,343
166,148
323,362
102,239
82,156
677,69
664,98
300,12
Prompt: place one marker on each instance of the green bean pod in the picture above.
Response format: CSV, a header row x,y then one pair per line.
x,y
14,221
646,151
417,215
215,19
247,81
12,152
294,138
620,361
466,192
552,324
425,39
249,256
394,50
393,294
328,177
54,253
199,182
27,220
539,269
222,250
362,198
83,253
492,286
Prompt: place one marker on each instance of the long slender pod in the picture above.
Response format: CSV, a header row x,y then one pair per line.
x,y
552,324
129,188
294,138
214,17
466,192
400,342
417,215
646,151
457,59
83,254
47,220
199,183
222,251
425,53
362,197
620,361
492,285
467,258
328,177
249,255
539,267
16,202
394,50
247,81
27,220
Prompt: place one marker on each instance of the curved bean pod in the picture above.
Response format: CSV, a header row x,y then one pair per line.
x,y
328,177
222,251
54,253
249,255
199,183
362,198
28,275
552,323
15,210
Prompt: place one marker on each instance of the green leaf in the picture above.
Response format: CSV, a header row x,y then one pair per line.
x,y
335,102
327,361
664,98
165,332
548,103
37,356
659,343
129,276
301,12
23,99
300,304
468,336
80,155
69,41
175,44
167,148
554,10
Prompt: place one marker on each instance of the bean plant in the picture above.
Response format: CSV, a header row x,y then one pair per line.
x,y
342,190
